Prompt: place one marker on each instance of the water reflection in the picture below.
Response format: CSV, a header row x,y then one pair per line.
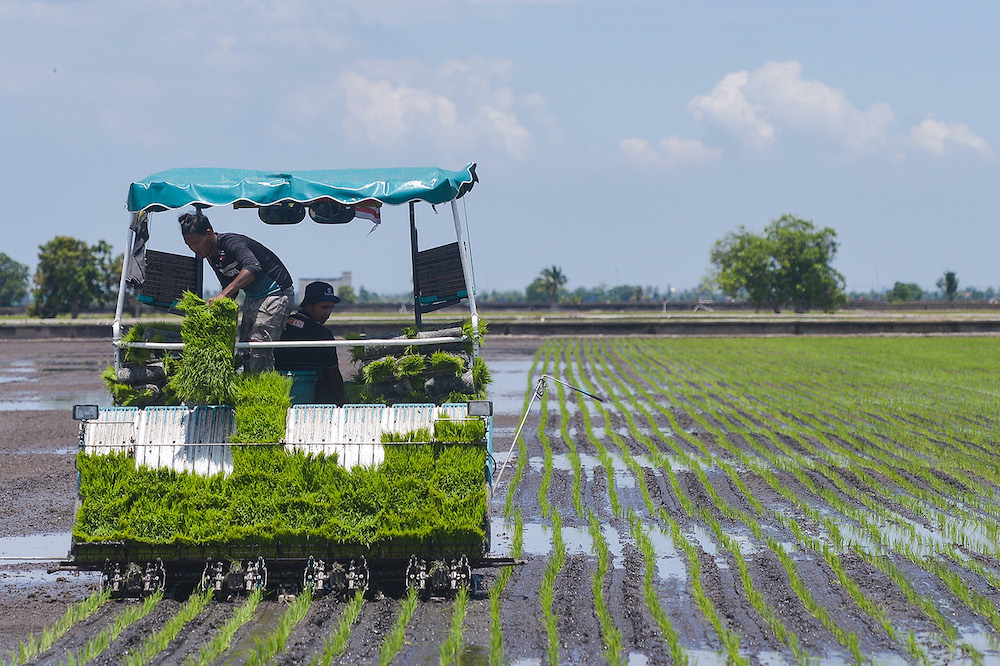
x,y
51,546
509,385
34,401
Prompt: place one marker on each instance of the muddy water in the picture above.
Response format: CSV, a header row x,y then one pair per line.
x,y
28,384
43,547
40,381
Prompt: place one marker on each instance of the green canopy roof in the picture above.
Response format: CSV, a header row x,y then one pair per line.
x,y
177,188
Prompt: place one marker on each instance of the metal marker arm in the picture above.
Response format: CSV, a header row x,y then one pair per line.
x,y
538,392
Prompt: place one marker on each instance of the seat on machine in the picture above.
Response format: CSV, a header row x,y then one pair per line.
x,y
168,276
309,381
439,277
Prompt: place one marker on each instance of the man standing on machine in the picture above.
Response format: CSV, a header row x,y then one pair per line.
x,y
241,262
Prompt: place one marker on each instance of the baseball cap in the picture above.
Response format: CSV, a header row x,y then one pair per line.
x,y
319,292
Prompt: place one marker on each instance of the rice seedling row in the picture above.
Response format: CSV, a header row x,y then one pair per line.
x,y
572,454
610,633
158,641
640,533
730,640
336,643
33,646
496,651
99,643
394,639
547,593
220,641
266,647
451,649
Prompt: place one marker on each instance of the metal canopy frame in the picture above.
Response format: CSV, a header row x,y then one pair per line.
x,y
463,247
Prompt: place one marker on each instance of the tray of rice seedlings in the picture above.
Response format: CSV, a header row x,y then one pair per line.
x,y
428,498
438,374
144,376
215,479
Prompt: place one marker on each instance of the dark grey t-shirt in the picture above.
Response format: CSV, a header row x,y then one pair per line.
x,y
237,252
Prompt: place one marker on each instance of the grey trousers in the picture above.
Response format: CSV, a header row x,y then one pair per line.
x,y
263,320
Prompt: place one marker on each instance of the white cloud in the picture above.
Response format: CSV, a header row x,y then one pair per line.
x,y
728,105
672,152
459,106
756,105
386,113
937,137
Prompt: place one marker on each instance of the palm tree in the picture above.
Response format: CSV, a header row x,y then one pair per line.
x,y
552,280
948,284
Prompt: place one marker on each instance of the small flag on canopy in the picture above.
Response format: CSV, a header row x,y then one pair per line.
x,y
370,212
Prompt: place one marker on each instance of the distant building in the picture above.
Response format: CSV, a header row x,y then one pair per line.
x,y
337,282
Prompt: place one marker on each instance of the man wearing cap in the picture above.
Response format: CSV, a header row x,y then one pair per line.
x,y
308,324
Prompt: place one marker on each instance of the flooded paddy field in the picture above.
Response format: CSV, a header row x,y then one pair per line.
x,y
753,500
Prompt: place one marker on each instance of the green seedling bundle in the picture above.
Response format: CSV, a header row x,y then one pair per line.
x,y
207,375
416,374
204,374
144,378
262,401
420,373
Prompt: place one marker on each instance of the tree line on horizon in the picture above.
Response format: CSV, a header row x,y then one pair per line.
x,y
788,266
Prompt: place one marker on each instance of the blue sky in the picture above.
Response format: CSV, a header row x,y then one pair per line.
x,y
617,140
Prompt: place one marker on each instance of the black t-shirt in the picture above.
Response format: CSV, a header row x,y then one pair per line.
x,y
237,252
303,327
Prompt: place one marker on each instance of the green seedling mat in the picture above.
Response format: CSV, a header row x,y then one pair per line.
x,y
424,499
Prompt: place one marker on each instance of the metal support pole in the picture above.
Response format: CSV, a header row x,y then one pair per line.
x,y
116,327
463,251
413,265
